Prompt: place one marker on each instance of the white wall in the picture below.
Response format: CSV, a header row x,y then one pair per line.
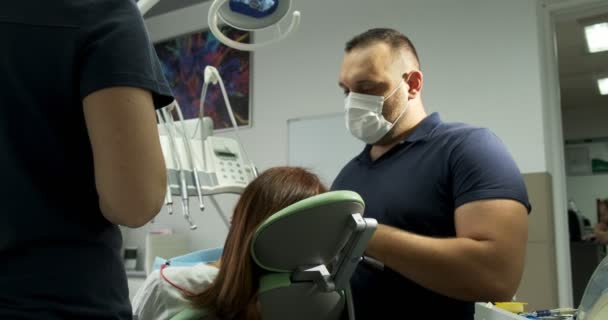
x,y
585,123
584,190
481,61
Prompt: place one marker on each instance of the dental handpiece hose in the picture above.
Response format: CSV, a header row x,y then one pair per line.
x,y
169,125
187,144
168,198
185,199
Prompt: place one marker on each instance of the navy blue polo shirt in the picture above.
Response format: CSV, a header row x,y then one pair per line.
x,y
60,258
416,186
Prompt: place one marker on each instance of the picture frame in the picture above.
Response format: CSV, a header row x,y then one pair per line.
x,y
183,59
587,156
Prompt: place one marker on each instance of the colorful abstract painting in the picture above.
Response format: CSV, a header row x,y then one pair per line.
x,y
184,59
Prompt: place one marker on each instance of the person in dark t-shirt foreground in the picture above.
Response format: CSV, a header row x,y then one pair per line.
x,y
80,152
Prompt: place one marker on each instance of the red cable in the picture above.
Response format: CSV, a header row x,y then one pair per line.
x,y
184,291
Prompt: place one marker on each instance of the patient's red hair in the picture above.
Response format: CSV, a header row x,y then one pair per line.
x,y
233,294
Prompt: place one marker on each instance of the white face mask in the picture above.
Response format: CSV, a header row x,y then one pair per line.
x,y
364,117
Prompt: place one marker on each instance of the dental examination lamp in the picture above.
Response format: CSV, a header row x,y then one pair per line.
x,y
251,15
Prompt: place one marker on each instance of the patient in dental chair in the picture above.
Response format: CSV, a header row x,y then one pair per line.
x,y
227,287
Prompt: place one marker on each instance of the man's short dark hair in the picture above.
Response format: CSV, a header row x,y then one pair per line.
x,y
393,38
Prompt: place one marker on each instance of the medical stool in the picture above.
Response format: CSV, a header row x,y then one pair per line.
x,y
310,251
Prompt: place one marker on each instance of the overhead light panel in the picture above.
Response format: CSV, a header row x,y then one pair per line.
x,y
603,86
597,37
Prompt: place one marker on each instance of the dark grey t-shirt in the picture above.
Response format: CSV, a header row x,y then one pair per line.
x,y
60,257
416,187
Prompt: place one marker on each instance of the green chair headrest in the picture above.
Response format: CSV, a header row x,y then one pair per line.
x,y
309,232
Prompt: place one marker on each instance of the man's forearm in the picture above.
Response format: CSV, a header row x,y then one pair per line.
x,y
602,236
460,268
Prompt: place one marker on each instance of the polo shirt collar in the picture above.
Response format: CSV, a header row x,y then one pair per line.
x,y
424,128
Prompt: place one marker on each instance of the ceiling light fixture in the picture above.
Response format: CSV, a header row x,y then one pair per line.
x,y
602,84
597,37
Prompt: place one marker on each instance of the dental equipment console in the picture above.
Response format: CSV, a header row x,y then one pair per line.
x,y
219,166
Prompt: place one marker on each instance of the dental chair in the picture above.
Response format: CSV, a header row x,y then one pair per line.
x,y
310,251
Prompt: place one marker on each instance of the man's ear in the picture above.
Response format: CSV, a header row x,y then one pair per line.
x,y
415,80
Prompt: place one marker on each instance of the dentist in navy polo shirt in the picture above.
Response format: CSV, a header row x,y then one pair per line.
x,y
450,201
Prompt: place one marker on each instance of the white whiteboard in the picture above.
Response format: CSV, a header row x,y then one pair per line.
x,y
321,144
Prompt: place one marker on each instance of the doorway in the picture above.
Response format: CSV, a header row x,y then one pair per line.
x,y
580,123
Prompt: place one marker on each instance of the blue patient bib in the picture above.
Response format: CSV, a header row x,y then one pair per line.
x,y
190,259
254,8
